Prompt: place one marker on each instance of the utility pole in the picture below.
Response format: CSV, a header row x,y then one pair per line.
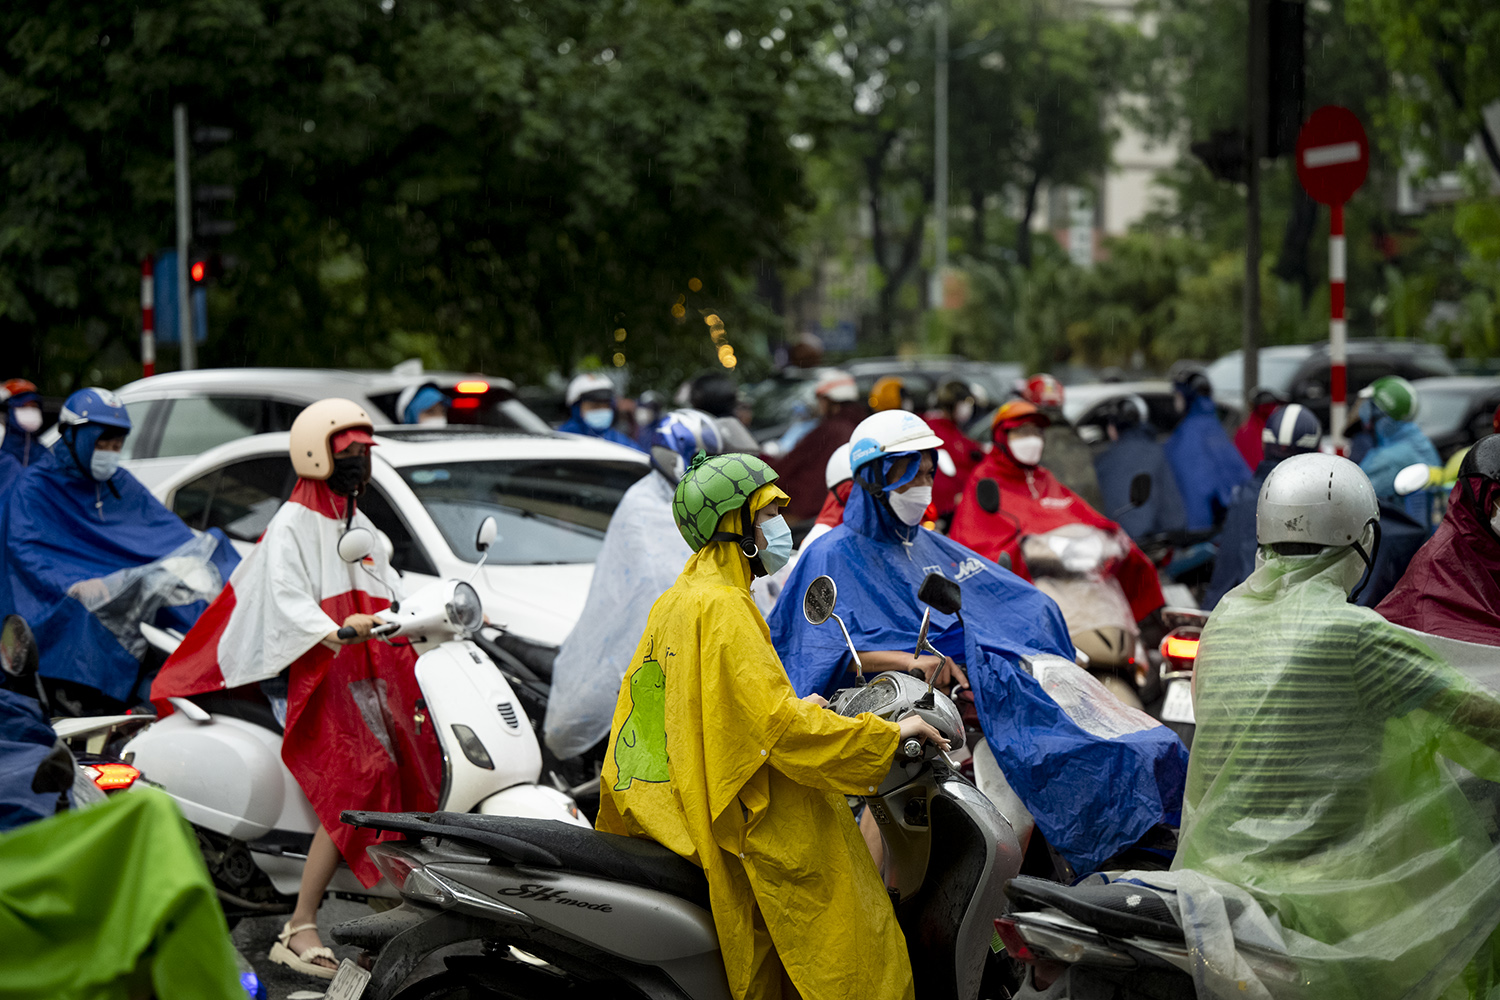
x,y
188,346
940,159
1255,143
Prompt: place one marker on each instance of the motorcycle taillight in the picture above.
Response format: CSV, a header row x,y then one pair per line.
x,y
112,777
1015,945
1180,646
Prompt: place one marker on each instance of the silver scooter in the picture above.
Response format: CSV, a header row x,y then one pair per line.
x,y
533,909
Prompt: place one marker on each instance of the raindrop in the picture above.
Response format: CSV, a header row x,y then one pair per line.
x,y
104,40
608,55
767,43
387,5
896,45
309,125
800,142
564,47
778,34
785,14
734,39
913,87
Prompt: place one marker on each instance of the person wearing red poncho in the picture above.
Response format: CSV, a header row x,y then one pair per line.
x,y
955,408
1452,587
351,739
1247,440
1032,502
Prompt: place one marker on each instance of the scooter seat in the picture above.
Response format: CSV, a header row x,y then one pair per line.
x,y
547,843
253,710
1119,909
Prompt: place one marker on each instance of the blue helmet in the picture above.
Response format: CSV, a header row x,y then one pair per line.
x,y
94,406
1292,429
679,436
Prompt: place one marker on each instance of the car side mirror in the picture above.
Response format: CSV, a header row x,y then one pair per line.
x,y
941,594
355,544
818,603
485,537
1140,489
988,495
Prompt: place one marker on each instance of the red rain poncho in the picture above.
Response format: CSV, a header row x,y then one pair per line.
x,y
351,739
1452,587
1247,439
1032,502
965,452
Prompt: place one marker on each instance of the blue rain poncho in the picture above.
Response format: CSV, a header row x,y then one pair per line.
x,y
1341,793
1137,452
25,741
575,424
60,527
1095,785
1398,443
1206,464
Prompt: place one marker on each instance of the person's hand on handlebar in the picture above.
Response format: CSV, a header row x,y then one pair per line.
x,y
914,727
949,673
362,626
816,699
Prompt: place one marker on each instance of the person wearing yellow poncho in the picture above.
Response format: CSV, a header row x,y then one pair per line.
x,y
1322,782
713,755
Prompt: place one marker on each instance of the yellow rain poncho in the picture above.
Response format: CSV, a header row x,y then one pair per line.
x,y
1325,780
713,755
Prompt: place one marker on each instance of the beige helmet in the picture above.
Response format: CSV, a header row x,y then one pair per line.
x,y
315,426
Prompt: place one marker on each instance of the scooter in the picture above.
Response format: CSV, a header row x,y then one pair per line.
x,y
531,909
219,756
1179,654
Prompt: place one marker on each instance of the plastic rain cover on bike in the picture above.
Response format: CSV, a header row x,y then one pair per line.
x,y
127,597
112,902
642,554
1093,791
713,755
1341,776
60,529
352,740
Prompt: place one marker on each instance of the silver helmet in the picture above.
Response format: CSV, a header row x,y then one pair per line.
x,y
1315,499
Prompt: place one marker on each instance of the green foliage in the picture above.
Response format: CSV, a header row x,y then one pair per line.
x,y
498,185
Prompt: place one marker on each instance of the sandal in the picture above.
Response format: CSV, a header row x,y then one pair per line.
x,y
282,954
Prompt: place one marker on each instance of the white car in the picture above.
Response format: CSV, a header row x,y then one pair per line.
x,y
551,494
180,415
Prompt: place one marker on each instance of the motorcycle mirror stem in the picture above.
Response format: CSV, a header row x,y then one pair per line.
x,y
817,607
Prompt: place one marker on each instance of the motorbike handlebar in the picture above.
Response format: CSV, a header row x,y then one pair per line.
x,y
347,632
912,749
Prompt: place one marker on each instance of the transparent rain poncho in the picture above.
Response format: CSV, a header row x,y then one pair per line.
x,y
127,597
1339,819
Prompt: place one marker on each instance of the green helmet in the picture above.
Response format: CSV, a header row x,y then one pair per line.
x,y
712,487
1395,397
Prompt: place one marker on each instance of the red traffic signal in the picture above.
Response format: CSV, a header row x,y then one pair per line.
x,y
199,270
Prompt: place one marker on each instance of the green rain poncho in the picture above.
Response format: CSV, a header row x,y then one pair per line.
x,y
1333,779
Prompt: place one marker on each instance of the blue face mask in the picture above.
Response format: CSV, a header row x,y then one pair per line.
x,y
778,550
599,420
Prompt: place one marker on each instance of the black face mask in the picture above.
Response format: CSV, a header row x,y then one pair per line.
x,y
350,474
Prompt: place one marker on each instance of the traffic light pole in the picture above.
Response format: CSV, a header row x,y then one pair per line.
x,y
185,340
939,158
1255,117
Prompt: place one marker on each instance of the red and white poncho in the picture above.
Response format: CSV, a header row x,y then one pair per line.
x,y
351,734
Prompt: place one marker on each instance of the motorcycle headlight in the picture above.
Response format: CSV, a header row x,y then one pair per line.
x,y
464,610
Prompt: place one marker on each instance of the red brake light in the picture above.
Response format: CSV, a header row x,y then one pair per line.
x,y
113,777
466,403
1010,936
198,270
1179,647
472,386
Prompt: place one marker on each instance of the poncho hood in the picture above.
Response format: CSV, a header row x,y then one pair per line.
x,y
577,425
1206,464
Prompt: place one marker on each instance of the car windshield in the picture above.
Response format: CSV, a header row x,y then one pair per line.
x,y
548,510
1442,410
1227,375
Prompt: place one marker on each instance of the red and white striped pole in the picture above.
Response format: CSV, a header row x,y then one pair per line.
x,y
1338,331
148,317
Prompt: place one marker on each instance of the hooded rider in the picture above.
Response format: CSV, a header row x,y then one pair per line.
x,y
591,403
1133,451
1070,459
879,557
23,422
351,708
1320,779
1388,407
88,554
642,554
1204,460
425,405
1249,439
713,755
1033,502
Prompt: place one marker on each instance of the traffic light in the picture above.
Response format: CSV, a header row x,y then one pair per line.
x,y
1280,103
212,202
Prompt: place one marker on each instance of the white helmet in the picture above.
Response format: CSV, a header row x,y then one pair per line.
x,y
587,383
1315,499
836,386
837,470
889,432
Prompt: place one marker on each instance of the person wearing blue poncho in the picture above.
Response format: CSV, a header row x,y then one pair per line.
x,y
23,421
591,403
1093,793
89,553
1206,463
423,404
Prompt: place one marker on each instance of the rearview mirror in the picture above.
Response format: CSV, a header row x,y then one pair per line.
x,y
988,495
1140,489
941,594
17,648
355,544
817,604
945,463
485,537
1413,479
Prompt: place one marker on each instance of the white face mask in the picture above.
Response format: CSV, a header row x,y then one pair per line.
x,y
911,505
436,420
963,412
29,419
103,465
1026,449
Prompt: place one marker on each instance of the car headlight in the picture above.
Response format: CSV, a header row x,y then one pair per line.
x,y
464,610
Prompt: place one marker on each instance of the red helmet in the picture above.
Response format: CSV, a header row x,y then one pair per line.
x,y
1043,390
15,387
1017,412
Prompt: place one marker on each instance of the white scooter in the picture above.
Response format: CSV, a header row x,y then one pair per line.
x,y
219,756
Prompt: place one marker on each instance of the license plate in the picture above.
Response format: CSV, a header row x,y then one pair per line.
x,y
1178,705
348,983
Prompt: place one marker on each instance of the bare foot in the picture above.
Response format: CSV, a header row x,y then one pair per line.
x,y
303,940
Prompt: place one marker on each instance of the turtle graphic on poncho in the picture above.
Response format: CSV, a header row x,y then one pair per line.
x,y
641,749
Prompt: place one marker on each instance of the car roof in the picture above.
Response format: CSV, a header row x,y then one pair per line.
x,y
1451,383
1079,399
310,384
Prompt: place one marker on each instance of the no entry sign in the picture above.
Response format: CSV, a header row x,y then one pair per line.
x,y
1333,155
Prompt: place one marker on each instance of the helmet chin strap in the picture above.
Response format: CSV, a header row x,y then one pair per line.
x,y
1369,559
745,541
